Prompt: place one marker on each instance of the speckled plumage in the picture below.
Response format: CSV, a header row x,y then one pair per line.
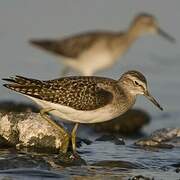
x,y
81,93
84,99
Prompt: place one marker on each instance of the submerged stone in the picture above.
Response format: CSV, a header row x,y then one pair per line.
x,y
119,164
160,138
69,159
4,143
79,141
177,170
112,138
140,177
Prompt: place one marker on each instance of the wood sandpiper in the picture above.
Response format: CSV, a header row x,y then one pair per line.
x,y
93,51
83,99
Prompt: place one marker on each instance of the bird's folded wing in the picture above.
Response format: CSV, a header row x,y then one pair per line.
x,y
70,47
80,93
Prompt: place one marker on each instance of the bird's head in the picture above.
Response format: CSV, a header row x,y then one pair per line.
x,y
135,83
145,23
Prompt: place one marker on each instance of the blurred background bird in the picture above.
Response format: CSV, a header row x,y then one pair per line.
x,y
90,52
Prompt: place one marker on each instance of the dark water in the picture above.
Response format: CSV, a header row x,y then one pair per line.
x,y
156,58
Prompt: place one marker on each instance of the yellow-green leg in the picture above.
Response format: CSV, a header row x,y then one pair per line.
x,y
44,115
44,112
73,137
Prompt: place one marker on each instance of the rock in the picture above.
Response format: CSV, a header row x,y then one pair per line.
x,y
69,159
4,143
160,138
80,140
31,130
119,164
177,170
140,177
127,124
112,138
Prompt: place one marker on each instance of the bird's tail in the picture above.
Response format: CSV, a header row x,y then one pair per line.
x,y
45,44
31,87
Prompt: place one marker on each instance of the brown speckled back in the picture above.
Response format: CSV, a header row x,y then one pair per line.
x,y
81,93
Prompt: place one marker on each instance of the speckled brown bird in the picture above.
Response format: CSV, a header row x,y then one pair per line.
x,y
93,51
83,99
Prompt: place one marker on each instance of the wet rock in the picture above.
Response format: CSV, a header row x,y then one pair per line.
x,y
112,138
28,131
177,170
127,124
4,143
80,141
160,138
119,164
175,141
140,177
69,159
31,130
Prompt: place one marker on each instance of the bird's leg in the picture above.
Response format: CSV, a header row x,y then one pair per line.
x,y
44,115
73,137
44,112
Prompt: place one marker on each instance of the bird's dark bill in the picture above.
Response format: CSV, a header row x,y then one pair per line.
x,y
153,100
166,35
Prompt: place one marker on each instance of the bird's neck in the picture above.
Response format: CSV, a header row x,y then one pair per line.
x,y
128,37
127,96
133,33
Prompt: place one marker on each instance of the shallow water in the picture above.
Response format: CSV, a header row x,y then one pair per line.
x,y
105,160
155,57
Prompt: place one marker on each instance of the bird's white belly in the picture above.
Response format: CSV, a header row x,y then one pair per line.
x,y
91,61
69,114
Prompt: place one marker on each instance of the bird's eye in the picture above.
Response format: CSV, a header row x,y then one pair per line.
x,y
136,83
